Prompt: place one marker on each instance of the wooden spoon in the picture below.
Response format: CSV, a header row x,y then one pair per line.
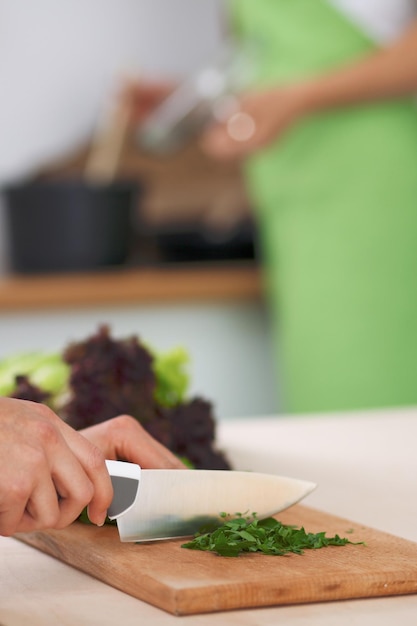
x,y
107,144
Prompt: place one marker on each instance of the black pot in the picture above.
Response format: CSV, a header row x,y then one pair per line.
x,y
69,225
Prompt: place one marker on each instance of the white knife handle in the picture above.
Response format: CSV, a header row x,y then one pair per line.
x,y
125,478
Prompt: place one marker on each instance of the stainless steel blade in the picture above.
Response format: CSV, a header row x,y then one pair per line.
x,y
177,503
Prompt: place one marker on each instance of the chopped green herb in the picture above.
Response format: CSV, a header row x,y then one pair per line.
x,y
268,536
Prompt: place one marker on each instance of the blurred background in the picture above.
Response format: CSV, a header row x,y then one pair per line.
x,y
99,225
60,65
61,60
64,64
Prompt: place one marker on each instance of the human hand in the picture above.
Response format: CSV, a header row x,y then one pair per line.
x,y
124,438
48,471
260,118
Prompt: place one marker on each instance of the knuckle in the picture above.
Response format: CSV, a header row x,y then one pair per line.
x,y
126,423
45,412
18,491
96,458
20,488
42,409
47,432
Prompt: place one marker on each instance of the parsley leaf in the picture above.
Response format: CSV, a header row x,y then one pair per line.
x,y
268,536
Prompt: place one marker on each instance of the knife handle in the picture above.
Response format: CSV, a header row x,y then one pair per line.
x,y
125,478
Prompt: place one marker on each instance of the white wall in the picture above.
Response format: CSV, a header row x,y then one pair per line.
x,y
59,59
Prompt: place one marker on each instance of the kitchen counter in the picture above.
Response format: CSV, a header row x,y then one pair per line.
x,y
365,466
196,283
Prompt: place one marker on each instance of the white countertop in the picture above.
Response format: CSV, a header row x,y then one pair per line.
x,y
365,465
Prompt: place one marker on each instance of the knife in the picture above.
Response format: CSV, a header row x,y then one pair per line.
x,y
151,504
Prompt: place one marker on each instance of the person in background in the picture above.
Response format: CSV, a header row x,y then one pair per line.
x,y
50,472
328,138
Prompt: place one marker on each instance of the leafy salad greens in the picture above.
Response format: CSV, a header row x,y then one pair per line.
x,y
100,377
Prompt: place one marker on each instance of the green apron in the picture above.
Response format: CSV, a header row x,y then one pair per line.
x,y
336,202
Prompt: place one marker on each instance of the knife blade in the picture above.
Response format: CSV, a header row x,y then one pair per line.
x,y
153,504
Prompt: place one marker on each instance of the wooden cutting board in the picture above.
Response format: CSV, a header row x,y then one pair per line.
x,y
186,581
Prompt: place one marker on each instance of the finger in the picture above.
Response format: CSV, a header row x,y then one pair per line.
x,y
71,465
92,460
17,487
73,494
42,509
32,503
124,438
145,450
61,492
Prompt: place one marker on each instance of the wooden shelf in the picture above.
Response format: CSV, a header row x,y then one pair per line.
x,y
127,286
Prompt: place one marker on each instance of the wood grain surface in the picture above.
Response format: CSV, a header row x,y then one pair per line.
x,y
188,582
144,286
